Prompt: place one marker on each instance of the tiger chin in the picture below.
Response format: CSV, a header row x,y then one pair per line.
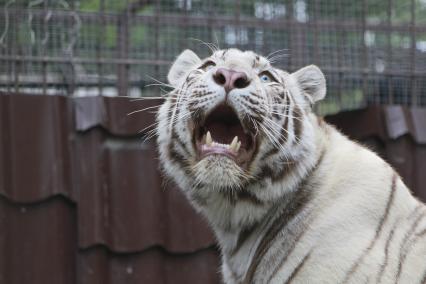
x,y
290,199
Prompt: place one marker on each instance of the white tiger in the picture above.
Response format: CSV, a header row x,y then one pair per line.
x,y
291,199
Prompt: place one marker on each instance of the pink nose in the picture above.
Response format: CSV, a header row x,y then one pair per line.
x,y
230,79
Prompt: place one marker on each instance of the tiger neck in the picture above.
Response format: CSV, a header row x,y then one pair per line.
x,y
249,230
288,218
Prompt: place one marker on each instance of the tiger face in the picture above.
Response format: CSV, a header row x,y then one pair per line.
x,y
236,126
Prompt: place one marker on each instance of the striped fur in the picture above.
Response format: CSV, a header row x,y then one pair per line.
x,y
310,206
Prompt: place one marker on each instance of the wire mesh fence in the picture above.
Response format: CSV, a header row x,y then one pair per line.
x,y
370,51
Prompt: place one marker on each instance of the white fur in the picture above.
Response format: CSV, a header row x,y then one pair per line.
x,y
180,68
357,221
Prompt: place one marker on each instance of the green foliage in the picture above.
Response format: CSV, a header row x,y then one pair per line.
x,y
95,5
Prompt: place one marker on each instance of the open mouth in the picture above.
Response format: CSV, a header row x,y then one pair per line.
x,y
222,133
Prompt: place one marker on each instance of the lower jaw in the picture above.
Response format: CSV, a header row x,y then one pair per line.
x,y
242,164
219,171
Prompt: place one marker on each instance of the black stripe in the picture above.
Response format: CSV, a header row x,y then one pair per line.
x,y
224,52
176,157
234,196
385,262
405,246
298,268
277,76
256,95
286,169
358,262
278,174
242,237
283,135
175,137
252,101
422,233
299,199
284,259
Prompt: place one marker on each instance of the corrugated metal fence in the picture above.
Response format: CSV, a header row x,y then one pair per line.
x,y
82,200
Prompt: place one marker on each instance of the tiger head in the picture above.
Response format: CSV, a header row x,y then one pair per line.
x,y
236,128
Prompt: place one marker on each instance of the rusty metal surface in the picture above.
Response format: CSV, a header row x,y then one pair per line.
x,y
39,245
34,147
80,189
119,115
82,199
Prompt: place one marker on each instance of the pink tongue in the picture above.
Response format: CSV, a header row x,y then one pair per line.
x,y
223,133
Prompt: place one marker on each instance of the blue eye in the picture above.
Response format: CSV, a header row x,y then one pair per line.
x,y
265,78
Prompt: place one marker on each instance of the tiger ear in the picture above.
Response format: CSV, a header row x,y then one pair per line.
x,y
181,67
312,82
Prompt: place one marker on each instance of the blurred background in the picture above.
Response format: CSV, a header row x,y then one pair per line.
x,y
371,51
81,196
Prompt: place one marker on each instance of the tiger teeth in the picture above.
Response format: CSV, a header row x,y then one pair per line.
x,y
234,146
209,139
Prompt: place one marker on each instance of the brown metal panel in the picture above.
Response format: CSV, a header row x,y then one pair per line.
x,y
35,149
89,112
153,266
38,242
396,121
418,117
143,212
90,187
5,154
409,160
127,116
123,203
403,120
118,115
419,181
400,154
359,124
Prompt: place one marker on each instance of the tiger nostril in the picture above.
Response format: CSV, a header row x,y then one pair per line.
x,y
219,78
241,82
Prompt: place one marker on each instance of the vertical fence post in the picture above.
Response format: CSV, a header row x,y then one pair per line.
x,y
364,49
100,40
237,12
292,32
123,51
43,49
389,54
339,33
413,54
156,37
16,50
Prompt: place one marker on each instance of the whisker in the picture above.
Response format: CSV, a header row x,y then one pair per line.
x,y
275,52
213,48
144,109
